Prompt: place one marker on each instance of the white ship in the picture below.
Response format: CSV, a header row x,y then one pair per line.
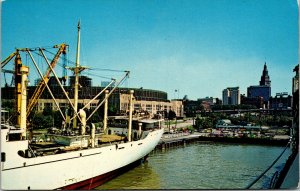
x,y
76,161
81,169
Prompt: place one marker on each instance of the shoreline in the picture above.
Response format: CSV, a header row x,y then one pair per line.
x,y
177,141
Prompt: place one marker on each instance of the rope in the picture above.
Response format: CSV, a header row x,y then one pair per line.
x,y
96,75
274,162
64,59
58,63
105,69
274,179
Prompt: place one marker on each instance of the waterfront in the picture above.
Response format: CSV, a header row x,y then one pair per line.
x,y
202,166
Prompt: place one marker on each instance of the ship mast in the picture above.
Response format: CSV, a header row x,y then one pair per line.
x,y
77,71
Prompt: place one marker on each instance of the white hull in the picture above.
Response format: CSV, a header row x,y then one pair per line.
x,y
61,170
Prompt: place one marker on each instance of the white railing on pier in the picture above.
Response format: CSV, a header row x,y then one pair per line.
x,y
175,135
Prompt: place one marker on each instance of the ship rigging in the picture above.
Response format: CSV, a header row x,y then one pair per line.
x,y
78,157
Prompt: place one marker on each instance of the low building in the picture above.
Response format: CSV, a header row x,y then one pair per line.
x,y
210,100
258,101
191,107
281,101
145,100
224,122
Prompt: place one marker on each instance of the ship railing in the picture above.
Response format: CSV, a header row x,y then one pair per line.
x,y
264,172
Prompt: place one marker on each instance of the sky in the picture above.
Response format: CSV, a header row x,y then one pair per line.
x,y
197,47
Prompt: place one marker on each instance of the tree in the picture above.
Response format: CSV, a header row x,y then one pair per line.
x,y
112,110
47,110
204,122
171,115
40,121
97,117
57,118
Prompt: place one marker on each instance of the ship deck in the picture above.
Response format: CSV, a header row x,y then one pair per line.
x,y
48,148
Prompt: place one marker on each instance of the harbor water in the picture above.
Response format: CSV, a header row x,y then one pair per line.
x,y
202,166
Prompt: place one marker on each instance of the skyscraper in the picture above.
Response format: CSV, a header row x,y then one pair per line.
x,y
231,96
265,79
263,89
259,91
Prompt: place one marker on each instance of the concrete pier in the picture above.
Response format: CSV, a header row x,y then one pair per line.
x,y
177,139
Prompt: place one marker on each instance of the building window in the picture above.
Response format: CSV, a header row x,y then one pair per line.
x,y
40,107
93,105
48,105
63,106
124,106
137,106
158,107
149,108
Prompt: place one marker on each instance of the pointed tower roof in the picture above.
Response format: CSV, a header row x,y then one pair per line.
x,y
265,79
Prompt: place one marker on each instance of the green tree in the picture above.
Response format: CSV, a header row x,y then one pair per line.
x,y
97,116
57,118
204,122
112,110
40,121
47,111
172,115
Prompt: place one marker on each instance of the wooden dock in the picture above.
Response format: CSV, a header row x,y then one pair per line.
x,y
171,140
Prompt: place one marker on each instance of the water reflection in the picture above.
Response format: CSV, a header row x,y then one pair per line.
x,y
141,177
202,166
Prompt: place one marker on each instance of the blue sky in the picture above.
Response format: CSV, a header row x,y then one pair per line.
x,y
199,47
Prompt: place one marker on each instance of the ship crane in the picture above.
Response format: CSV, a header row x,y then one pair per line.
x,y
17,75
10,72
17,79
42,84
4,62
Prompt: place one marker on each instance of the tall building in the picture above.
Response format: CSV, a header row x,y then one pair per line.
x,y
84,81
295,85
259,91
295,106
263,89
265,79
231,96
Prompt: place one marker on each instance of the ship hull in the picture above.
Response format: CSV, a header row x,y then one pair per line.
x,y
101,179
83,169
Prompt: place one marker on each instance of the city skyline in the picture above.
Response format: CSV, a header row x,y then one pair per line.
x,y
196,47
